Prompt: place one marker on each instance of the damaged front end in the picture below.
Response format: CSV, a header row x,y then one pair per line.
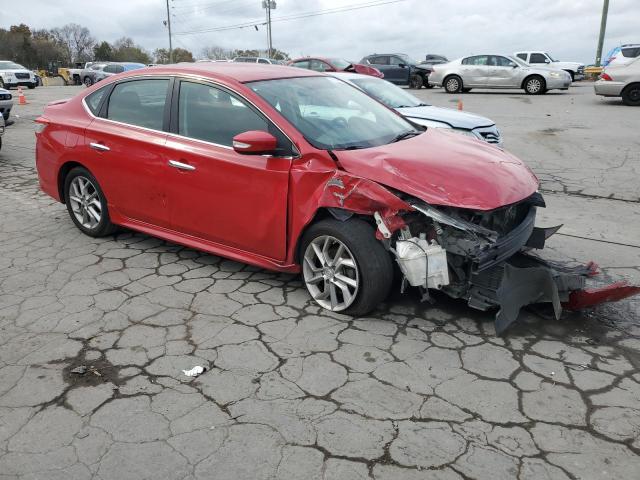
x,y
482,257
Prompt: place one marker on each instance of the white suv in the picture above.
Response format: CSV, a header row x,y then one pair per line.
x,y
13,75
539,58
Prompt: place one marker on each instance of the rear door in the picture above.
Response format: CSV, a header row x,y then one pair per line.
x,y
215,193
125,147
475,71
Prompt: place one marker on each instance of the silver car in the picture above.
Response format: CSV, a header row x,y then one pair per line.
x,y
422,113
497,71
621,81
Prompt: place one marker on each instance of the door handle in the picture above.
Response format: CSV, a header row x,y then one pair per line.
x,y
181,166
100,147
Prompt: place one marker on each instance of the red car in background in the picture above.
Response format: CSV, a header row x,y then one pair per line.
x,y
298,171
322,64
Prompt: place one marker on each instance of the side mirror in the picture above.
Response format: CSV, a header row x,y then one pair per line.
x,y
255,142
514,65
546,60
402,65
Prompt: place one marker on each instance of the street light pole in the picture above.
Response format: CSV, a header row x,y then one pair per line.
x,y
603,27
169,27
269,5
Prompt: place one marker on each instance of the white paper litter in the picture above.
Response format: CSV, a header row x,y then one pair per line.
x,y
194,372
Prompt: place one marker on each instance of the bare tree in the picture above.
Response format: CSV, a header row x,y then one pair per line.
x,y
216,53
76,42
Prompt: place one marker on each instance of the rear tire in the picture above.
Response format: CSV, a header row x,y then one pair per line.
x,y
535,85
453,84
631,95
87,82
86,203
31,86
372,274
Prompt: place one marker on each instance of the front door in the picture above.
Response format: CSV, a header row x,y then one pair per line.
x,y
125,147
215,193
504,72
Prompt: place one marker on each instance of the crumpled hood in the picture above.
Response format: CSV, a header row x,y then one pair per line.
x,y
445,168
453,118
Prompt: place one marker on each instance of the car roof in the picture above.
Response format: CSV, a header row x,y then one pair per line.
x,y
240,72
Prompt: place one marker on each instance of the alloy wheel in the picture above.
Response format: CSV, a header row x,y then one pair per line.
x,y
534,85
453,85
330,273
85,202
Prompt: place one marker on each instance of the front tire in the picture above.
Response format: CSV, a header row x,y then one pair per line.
x,y
631,95
31,86
453,84
87,82
416,82
535,85
86,204
344,267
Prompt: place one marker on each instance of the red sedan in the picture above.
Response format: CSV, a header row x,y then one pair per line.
x,y
322,64
295,171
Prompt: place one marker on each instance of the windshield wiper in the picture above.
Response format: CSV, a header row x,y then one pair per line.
x,y
409,134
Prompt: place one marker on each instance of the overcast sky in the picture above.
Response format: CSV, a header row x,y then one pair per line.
x,y
568,29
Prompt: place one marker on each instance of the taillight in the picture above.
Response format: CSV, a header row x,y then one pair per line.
x,y
606,77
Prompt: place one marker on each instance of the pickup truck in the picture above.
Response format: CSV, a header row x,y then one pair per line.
x,y
540,58
75,74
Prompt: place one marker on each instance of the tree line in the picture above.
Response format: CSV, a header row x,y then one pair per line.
x,y
73,43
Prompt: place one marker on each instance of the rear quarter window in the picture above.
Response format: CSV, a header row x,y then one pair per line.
x,y
93,101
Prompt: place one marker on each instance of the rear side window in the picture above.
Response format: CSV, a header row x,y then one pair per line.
x,y
381,60
477,60
263,60
303,64
93,100
139,102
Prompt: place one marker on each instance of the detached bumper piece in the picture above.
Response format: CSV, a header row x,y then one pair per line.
x,y
524,280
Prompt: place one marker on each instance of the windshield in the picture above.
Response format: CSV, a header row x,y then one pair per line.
x,y
339,63
551,58
332,114
387,93
519,61
11,66
407,59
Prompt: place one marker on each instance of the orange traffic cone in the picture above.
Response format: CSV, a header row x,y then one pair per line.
x,y
459,104
22,100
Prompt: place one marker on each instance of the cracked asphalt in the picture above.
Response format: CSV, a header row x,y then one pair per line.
x,y
414,391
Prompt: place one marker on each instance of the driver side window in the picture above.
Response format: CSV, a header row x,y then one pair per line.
x,y
213,115
395,61
537,58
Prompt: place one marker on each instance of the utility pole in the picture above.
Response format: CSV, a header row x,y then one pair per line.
x,y
603,27
269,5
168,23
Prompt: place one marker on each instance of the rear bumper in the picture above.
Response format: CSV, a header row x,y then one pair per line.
x,y
608,89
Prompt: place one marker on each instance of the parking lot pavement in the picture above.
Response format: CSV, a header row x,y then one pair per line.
x,y
291,391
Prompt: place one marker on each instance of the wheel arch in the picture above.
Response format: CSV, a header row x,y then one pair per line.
x,y
340,214
628,87
62,175
528,77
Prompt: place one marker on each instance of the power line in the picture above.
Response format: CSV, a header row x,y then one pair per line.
x,y
293,17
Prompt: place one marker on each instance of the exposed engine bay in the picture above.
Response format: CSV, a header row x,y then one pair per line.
x,y
485,258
